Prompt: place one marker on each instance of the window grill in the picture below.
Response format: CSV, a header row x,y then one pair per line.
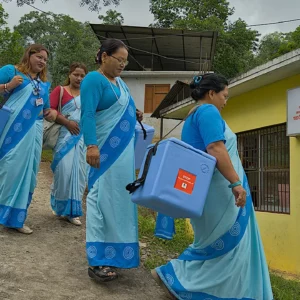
x,y
265,155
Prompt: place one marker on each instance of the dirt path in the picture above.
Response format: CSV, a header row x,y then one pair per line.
x,y
51,263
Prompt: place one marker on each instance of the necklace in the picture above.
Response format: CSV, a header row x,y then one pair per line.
x,y
110,84
74,98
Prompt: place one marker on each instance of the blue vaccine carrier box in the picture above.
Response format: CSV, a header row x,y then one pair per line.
x,y
177,181
142,140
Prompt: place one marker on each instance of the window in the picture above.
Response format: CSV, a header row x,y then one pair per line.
x,y
265,155
154,94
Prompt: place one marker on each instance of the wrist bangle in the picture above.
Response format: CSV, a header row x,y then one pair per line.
x,y
232,185
5,88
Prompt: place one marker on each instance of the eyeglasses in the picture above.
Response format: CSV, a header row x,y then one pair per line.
x,y
121,61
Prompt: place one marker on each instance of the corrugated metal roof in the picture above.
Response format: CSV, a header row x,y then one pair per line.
x,y
186,50
179,92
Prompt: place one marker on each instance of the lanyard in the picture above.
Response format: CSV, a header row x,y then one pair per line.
x,y
36,87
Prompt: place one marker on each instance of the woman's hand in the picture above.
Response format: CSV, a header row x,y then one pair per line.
x,y
240,195
93,156
73,127
50,115
15,82
139,115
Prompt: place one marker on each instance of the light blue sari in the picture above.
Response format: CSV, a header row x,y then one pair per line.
x,y
226,260
112,230
20,153
69,167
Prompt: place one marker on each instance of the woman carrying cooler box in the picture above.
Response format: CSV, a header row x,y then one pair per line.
x,y
226,260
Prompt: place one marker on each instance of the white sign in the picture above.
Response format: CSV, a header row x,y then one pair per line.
x,y
293,112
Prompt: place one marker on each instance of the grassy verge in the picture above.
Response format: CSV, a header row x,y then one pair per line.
x,y
158,252
47,155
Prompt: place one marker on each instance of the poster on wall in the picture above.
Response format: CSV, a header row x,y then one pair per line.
x,y
293,112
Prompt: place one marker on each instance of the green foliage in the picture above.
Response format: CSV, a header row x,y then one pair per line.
x,y
235,43
67,40
234,50
112,17
93,5
276,44
10,42
191,14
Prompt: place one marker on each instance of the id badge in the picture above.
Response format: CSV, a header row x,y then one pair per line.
x,y
39,102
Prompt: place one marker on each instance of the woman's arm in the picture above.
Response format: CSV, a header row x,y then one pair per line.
x,y
90,94
224,165
72,126
8,80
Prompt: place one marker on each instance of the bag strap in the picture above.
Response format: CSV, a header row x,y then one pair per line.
x,y
143,129
61,93
132,187
6,99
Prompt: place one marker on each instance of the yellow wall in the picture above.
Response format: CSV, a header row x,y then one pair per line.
x,y
262,107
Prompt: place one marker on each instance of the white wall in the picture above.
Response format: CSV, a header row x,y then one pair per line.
x,y
136,82
168,125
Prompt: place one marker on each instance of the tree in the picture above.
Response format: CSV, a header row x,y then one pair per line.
x,y
112,17
276,44
189,14
67,40
93,5
235,43
270,47
10,42
234,53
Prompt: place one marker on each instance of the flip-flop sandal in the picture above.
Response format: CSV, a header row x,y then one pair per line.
x,y
100,274
155,276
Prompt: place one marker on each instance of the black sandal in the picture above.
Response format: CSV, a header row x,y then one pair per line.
x,y
101,273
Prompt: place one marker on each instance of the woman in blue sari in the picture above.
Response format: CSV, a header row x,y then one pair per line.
x,y
108,124
21,139
69,165
226,260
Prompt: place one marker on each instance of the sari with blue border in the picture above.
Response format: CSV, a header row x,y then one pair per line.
x,y
69,167
226,260
20,151
112,230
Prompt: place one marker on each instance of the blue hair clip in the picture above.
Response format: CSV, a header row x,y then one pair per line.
x,y
197,79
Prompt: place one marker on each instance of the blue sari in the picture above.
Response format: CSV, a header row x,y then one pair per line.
x,y
226,260
20,150
69,167
112,230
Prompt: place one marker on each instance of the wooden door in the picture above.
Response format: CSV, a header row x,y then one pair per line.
x,y
154,94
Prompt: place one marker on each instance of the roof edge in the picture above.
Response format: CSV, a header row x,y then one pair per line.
x,y
273,65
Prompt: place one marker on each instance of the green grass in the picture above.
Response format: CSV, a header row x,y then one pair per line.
x,y
158,252
284,289
47,155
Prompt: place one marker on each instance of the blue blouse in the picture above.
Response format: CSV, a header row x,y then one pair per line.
x,y
8,72
96,94
203,127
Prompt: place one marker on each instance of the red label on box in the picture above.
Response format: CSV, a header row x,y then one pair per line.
x,y
185,181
